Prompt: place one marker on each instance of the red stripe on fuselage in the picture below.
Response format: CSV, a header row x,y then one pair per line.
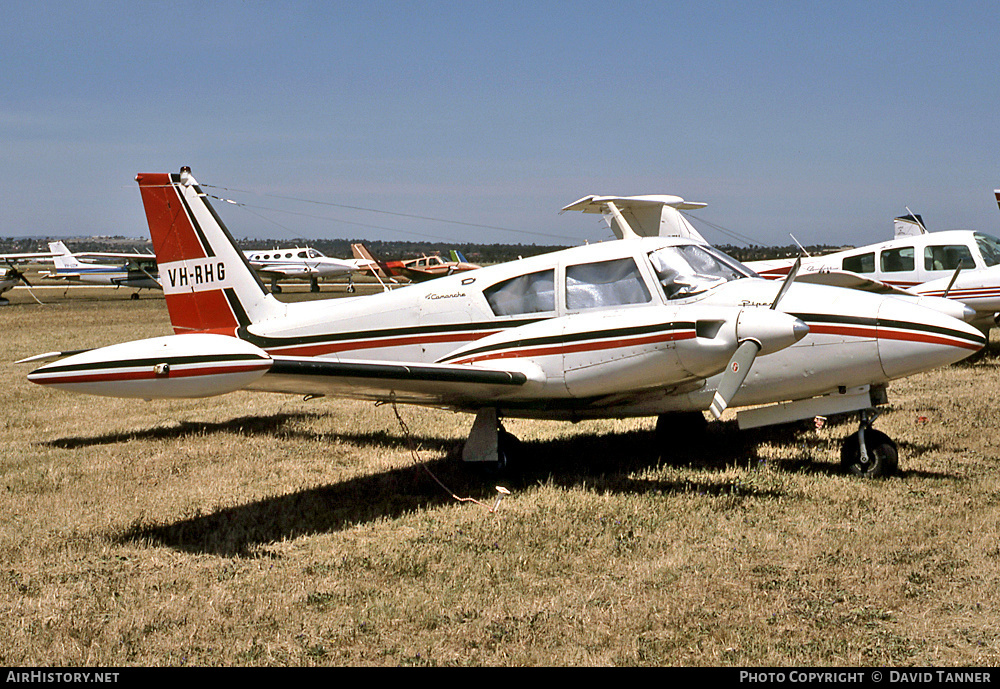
x,y
928,338
149,374
888,334
330,347
574,348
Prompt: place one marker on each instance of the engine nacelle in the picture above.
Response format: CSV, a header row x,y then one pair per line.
x,y
175,366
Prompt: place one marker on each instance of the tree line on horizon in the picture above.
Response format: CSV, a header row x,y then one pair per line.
x,y
481,253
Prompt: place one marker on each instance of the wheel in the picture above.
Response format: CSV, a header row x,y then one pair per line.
x,y
275,289
508,451
883,455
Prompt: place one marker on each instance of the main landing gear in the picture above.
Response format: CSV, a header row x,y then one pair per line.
x,y
869,453
489,444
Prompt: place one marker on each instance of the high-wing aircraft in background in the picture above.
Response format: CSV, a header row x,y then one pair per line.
x,y
645,326
413,269
302,262
962,265
138,271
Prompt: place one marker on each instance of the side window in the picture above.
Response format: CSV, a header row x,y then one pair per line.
x,y
897,260
531,293
607,283
948,257
862,263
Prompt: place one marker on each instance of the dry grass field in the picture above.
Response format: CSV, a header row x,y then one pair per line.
x,y
258,529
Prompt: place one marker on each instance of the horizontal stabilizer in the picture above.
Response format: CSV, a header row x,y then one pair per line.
x,y
652,215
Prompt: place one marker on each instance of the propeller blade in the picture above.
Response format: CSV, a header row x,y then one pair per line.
x,y
789,279
736,372
951,283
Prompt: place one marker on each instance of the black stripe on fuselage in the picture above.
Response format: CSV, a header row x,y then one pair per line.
x,y
834,319
172,360
576,337
266,342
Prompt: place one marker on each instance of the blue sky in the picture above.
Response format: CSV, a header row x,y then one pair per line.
x,y
822,120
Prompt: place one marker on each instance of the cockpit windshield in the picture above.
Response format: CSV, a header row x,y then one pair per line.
x,y
989,247
689,269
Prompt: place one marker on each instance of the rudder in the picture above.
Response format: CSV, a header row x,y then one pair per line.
x,y
207,282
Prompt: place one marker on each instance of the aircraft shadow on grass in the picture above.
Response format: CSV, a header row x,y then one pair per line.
x,y
613,462
281,425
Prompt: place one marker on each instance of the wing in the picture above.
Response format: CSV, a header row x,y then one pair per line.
x,y
446,385
281,271
844,278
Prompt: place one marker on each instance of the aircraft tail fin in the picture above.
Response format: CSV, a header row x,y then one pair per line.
x,y
208,283
377,267
909,225
996,193
64,258
656,215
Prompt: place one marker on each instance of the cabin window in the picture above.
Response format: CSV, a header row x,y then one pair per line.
x,y
607,283
689,269
989,247
948,257
531,293
303,254
862,263
897,260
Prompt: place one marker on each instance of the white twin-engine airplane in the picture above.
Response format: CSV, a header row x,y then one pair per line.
x,y
962,265
644,326
303,262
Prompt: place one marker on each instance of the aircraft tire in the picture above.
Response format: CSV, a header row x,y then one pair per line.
x,y
509,451
883,455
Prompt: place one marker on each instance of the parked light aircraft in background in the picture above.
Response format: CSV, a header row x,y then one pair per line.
x,y
10,275
646,326
413,269
962,265
302,262
138,271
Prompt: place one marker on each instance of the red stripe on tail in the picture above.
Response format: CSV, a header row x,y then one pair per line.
x,y
174,238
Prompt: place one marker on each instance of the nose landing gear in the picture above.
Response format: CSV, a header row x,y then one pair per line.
x,y
869,453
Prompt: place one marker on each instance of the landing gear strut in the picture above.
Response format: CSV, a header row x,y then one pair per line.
x,y
489,443
869,453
